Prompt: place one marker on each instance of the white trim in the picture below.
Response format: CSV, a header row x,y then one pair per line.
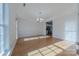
x,y
57,37
8,54
5,54
1,54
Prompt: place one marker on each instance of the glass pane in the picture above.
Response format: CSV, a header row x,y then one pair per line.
x,y
0,43
70,25
6,28
1,22
70,36
1,14
4,38
1,30
71,30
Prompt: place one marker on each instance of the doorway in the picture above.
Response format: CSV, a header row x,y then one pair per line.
x,y
49,28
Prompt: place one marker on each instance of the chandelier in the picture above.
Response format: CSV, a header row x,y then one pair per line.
x,y
40,19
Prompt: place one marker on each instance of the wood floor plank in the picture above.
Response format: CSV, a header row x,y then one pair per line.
x,y
23,47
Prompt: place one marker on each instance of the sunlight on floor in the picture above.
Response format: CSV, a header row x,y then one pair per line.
x,y
33,38
63,44
51,50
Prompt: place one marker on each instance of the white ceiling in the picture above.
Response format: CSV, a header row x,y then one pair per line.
x,y
47,9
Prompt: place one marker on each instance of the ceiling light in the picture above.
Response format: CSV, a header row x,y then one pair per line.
x,y
39,19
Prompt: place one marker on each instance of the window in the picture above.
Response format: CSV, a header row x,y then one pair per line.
x,y
71,30
1,28
4,29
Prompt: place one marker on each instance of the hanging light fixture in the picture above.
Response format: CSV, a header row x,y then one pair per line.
x,y
39,19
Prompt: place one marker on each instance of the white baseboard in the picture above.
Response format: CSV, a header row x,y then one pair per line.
x,y
58,37
10,52
1,54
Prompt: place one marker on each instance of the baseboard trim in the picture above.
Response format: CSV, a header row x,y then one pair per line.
x,y
10,52
58,38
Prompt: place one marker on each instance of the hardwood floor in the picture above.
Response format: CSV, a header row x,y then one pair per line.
x,y
23,47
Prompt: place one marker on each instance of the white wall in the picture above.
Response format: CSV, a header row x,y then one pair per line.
x,y
59,22
58,27
12,26
57,12
27,24
29,27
